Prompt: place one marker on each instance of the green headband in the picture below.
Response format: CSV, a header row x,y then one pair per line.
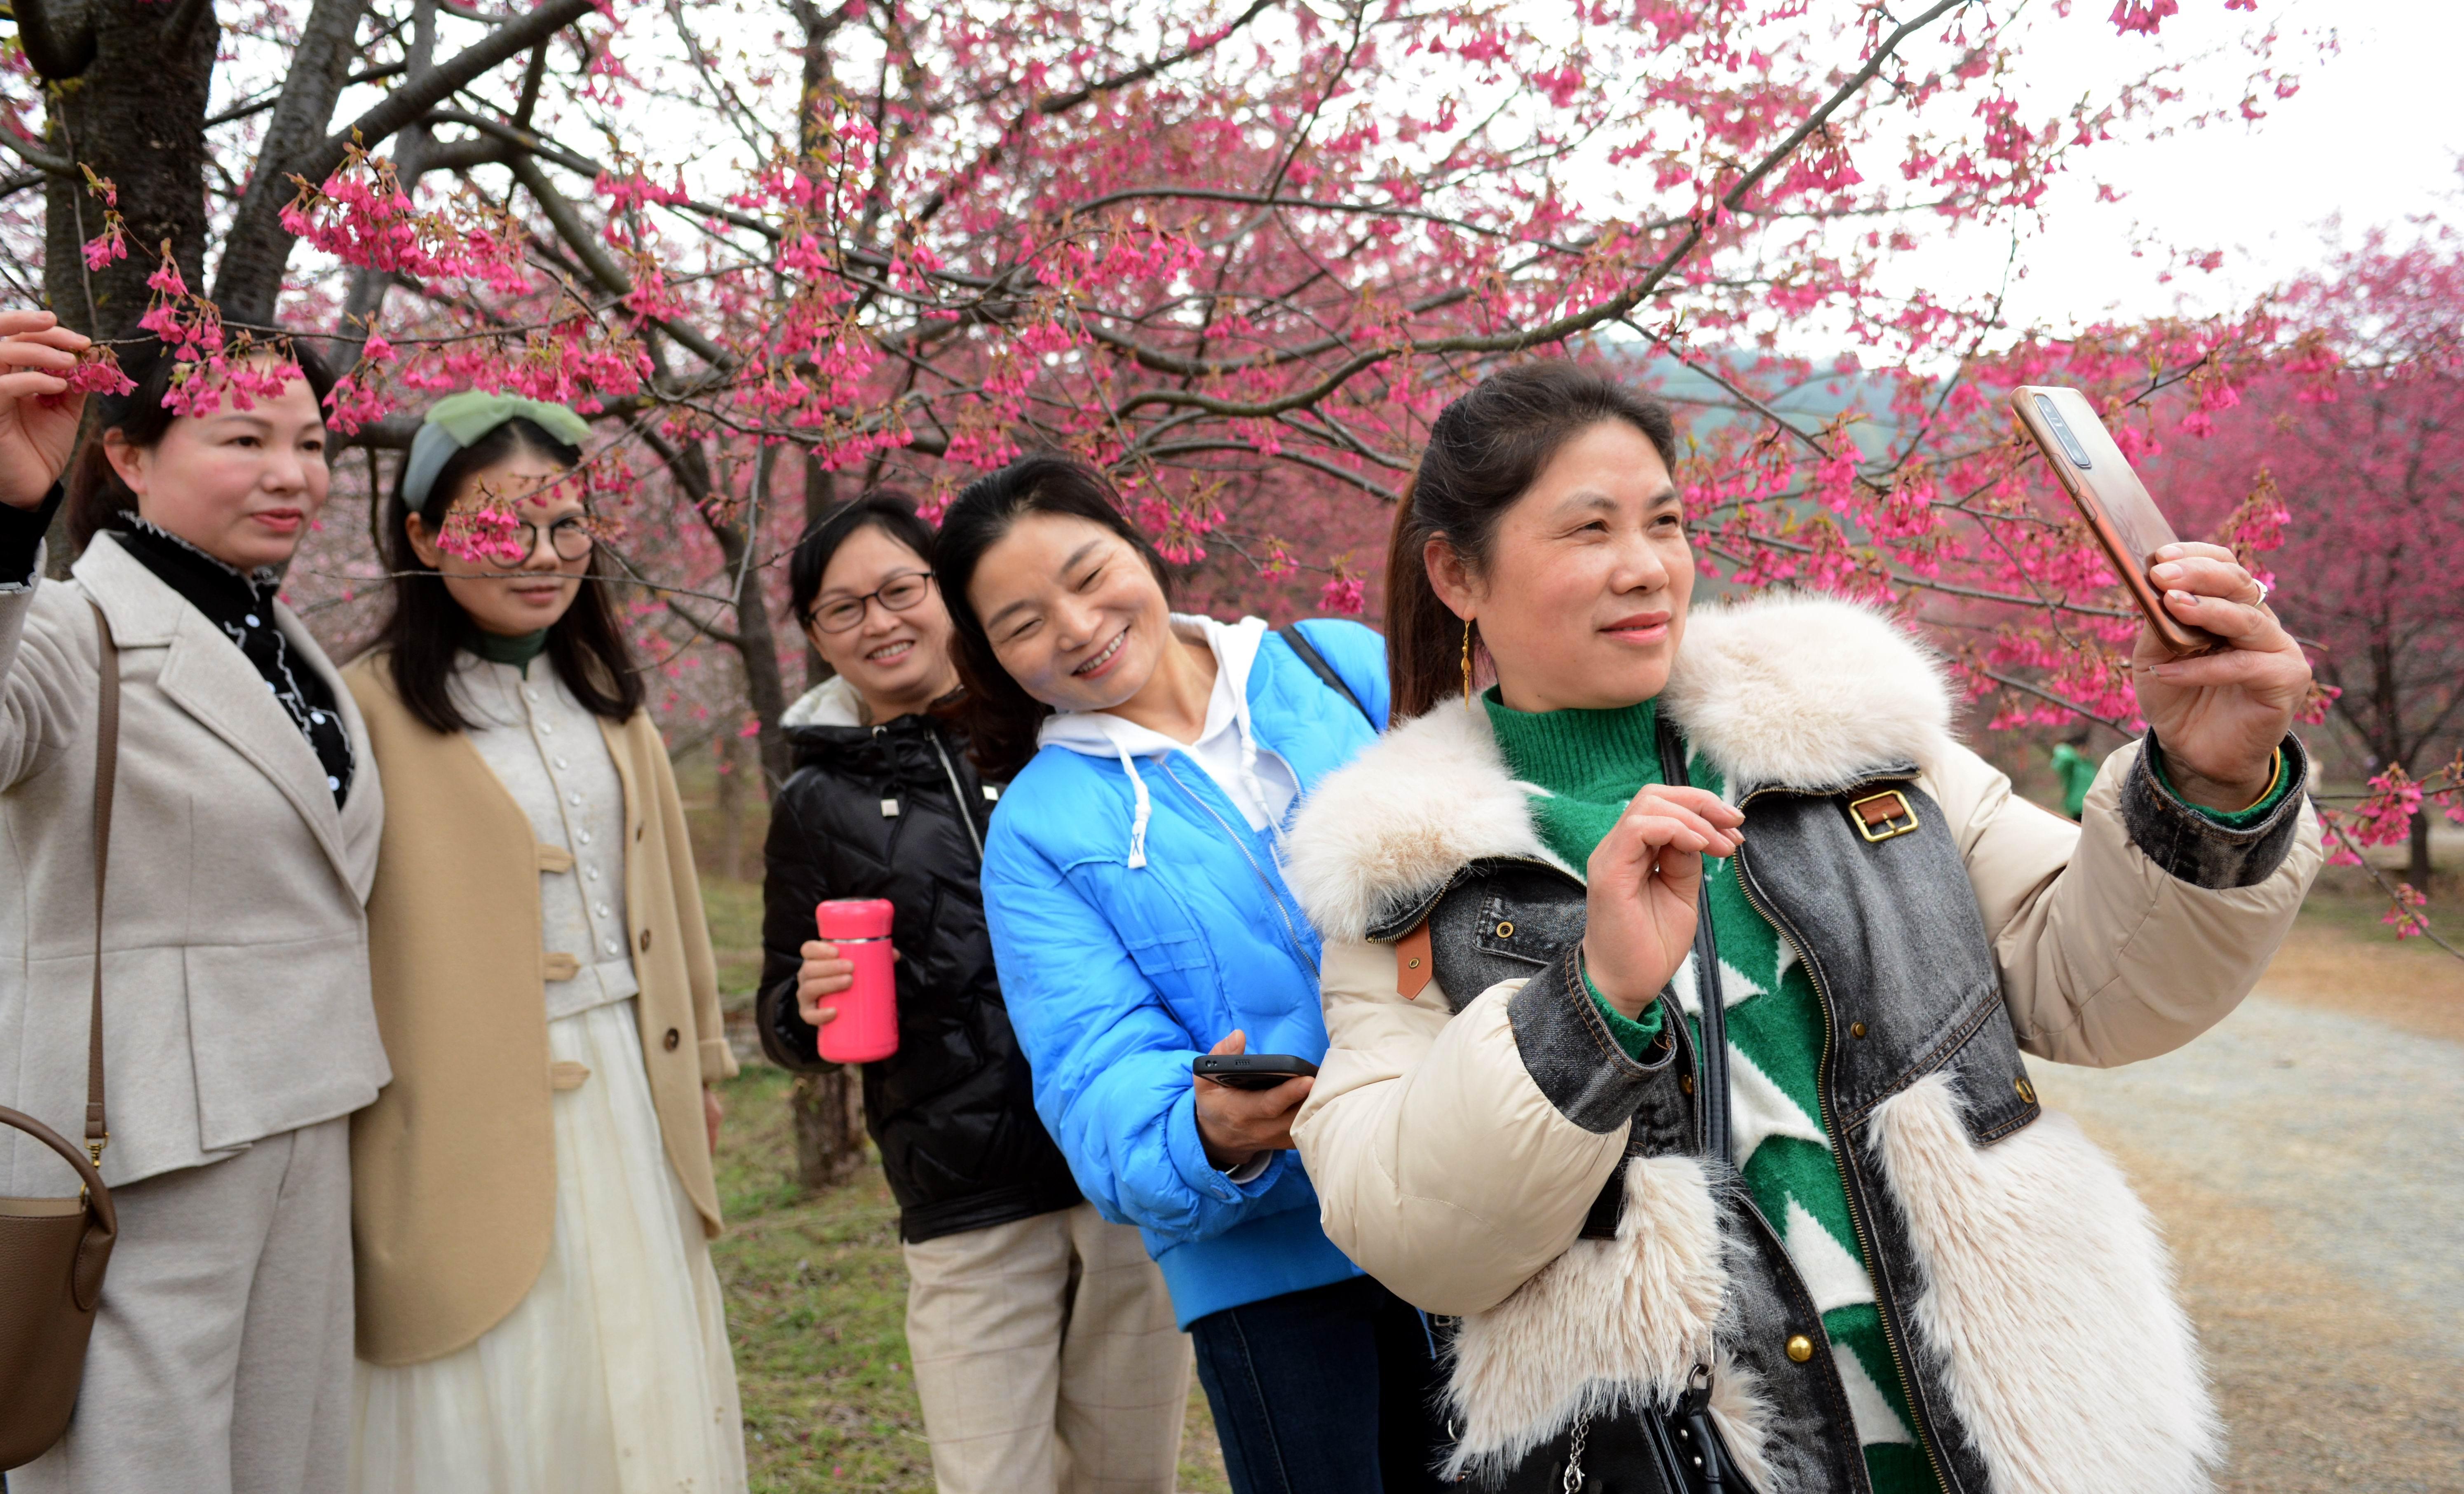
x,y
458,420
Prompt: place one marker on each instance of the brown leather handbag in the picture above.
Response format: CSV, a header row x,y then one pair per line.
x,y
53,1251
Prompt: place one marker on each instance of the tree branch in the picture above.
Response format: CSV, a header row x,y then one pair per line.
x,y
57,38
1051,104
2063,701
405,104
183,20
703,627
40,159
587,246
534,143
562,216
257,247
2354,850
1573,323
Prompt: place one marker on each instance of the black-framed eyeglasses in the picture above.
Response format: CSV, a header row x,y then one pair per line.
x,y
569,536
896,594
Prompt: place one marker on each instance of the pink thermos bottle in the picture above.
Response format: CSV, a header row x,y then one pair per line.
x,y
866,1030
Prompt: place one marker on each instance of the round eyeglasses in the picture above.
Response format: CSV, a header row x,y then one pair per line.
x,y
569,536
896,594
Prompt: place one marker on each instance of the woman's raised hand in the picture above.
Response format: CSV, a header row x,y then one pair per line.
x,y
2218,716
1645,877
38,414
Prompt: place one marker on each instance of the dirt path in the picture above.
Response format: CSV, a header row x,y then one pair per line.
x,y
2308,1163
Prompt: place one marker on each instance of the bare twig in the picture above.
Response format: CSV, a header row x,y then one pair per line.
x,y
2344,839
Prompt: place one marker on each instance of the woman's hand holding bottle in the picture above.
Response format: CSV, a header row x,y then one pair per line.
x,y
39,412
824,974
1645,877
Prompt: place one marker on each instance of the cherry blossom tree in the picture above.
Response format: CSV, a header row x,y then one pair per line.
x,y
2369,461
1236,251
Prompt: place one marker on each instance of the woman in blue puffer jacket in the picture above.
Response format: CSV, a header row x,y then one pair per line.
x,y
1139,920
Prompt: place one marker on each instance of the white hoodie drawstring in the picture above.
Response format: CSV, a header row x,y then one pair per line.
x,y
1256,790
1138,821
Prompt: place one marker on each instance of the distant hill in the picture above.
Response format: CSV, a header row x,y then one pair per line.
x,y
1703,407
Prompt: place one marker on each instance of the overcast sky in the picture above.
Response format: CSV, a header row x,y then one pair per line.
x,y
2372,136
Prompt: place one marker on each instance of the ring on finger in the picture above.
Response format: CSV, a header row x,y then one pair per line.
x,y
2259,601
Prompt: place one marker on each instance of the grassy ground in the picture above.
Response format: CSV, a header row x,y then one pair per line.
x,y
816,1300
817,1296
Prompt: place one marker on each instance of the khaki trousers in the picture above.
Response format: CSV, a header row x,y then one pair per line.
x,y
1046,1358
221,1359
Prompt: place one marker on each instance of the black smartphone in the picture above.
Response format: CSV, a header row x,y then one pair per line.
x,y
1251,1070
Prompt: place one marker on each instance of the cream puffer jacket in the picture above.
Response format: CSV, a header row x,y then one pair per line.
x,y
1463,1132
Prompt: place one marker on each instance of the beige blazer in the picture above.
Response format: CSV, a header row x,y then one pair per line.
x,y
236,969
453,1168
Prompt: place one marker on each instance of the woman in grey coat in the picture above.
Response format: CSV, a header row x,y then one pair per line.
x,y
238,1035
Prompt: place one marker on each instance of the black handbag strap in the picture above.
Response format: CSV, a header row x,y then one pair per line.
x,y
106,772
1298,641
1711,1087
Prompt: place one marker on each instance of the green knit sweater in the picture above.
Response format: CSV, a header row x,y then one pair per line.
x,y
1584,766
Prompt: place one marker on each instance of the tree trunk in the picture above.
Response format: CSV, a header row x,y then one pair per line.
x,y
830,1127
765,684
136,116
732,766
821,493
829,1108
248,282
2418,870
821,489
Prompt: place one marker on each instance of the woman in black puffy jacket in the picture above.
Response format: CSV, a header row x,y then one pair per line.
x,y
1034,1325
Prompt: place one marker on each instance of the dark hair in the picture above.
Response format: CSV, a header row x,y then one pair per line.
x,y
428,628
1000,716
890,510
1485,451
97,498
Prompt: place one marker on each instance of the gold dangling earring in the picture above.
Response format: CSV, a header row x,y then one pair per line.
x,y
1467,663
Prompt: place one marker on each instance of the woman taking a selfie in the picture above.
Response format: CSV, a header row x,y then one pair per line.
x,y
1140,920
1043,1339
1766,1189
533,1192
236,1029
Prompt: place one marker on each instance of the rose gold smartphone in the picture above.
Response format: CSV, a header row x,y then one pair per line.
x,y
2110,498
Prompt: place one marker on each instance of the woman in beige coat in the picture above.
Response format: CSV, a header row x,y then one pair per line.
x,y
538,1309
237,1032
1681,992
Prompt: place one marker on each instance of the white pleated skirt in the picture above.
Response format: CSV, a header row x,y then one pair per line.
x,y
614,1376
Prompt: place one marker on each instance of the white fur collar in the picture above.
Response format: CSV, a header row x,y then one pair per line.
x,y
1804,692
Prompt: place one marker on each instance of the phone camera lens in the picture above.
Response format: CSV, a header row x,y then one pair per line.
x,y
2061,428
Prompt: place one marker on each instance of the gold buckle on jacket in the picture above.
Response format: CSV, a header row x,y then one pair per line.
x,y
1881,816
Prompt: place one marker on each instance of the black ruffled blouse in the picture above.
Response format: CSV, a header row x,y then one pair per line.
x,y
241,605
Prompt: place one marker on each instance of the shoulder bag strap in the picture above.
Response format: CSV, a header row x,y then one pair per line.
x,y
1298,641
106,771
